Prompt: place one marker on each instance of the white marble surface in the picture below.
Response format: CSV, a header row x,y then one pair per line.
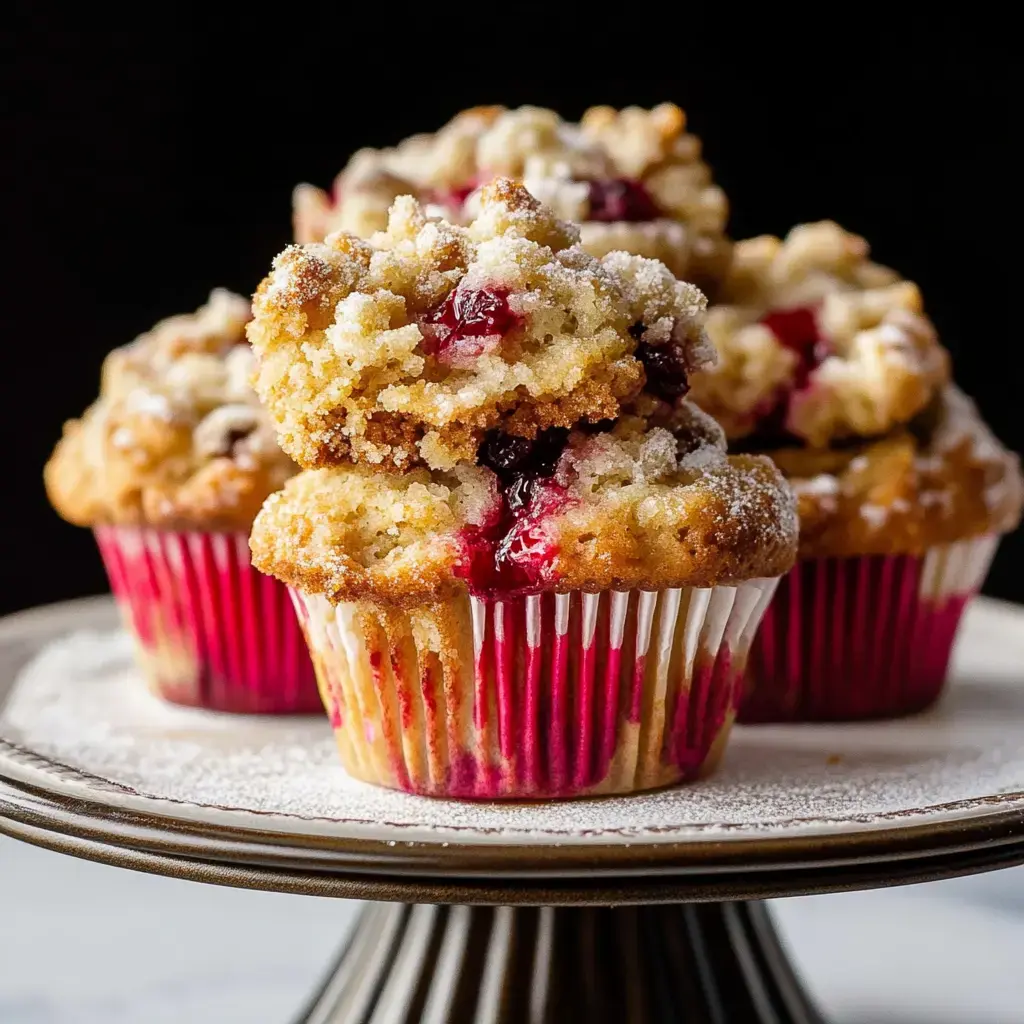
x,y
81,943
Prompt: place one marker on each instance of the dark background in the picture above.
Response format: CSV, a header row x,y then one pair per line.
x,y
151,158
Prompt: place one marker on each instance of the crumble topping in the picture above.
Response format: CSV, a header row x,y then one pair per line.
x,y
634,179
408,348
177,436
817,343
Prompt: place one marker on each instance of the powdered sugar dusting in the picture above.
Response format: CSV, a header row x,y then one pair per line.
x,y
743,498
80,703
822,485
876,515
963,425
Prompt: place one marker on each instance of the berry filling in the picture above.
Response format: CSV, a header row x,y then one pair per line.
x,y
513,551
797,330
611,199
522,464
664,366
621,199
469,323
453,198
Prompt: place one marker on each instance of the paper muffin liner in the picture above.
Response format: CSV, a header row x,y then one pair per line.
x,y
554,695
210,631
856,638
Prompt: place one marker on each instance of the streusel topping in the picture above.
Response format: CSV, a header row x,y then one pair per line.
x,y
633,179
628,506
407,348
943,479
177,437
817,342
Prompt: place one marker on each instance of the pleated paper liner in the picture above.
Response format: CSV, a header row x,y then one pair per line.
x,y
544,696
858,638
210,631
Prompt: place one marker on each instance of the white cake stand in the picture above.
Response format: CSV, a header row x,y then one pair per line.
x,y
622,909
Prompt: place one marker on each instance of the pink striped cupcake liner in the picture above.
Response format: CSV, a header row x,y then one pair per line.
x,y
553,695
857,638
210,631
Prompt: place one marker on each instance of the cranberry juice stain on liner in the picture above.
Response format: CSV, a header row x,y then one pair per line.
x,y
559,695
210,631
861,638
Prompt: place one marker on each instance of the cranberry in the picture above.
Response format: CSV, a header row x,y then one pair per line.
x,y
621,199
666,369
477,565
515,554
519,491
461,326
526,550
547,450
797,329
512,551
520,463
455,197
502,452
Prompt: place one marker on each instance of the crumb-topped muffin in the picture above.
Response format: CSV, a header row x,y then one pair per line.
x,y
407,348
828,363
569,616
896,536
519,575
177,438
169,466
633,179
817,343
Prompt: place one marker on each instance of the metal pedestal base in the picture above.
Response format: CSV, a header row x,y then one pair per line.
x,y
711,962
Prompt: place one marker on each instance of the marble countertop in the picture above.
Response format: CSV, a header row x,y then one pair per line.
x,y
82,943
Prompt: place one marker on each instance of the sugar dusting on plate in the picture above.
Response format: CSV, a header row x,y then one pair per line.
x,y
81,703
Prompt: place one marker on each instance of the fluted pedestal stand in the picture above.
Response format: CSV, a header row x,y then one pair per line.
x,y
614,911
526,965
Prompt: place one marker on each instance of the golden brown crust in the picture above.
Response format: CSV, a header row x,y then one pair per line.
x,y
901,495
177,438
556,160
352,534
734,522
877,361
346,338
632,507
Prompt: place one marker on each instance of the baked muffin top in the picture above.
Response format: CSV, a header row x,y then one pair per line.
x,y
633,179
816,343
619,505
941,479
408,348
177,438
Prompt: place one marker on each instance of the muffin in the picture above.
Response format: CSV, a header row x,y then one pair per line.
x,y
633,180
828,362
556,600
169,467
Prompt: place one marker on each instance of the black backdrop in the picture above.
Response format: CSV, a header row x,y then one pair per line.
x,y
150,158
